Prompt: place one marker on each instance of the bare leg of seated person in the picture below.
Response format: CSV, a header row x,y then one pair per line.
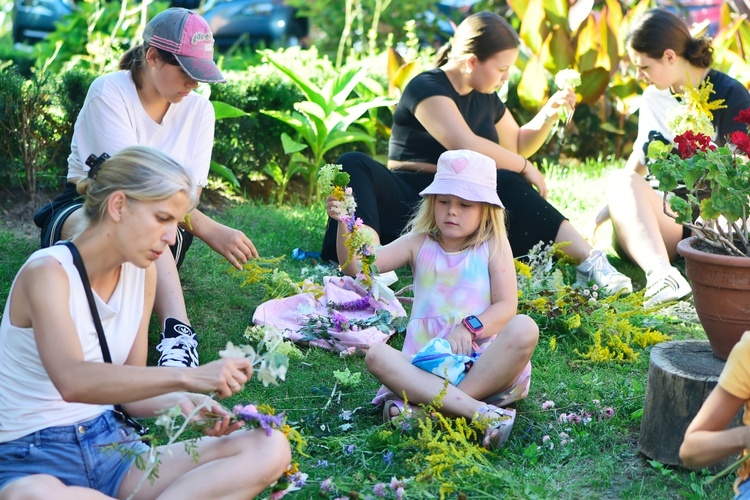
x,y
497,369
647,235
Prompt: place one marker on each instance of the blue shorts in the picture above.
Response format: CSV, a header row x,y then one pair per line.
x,y
743,490
77,455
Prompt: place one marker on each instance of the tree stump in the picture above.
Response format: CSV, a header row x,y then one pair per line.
x,y
681,375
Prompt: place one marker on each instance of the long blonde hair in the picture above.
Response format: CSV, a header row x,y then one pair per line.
x,y
491,225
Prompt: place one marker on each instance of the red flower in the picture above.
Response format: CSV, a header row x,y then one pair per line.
x,y
743,117
741,140
689,143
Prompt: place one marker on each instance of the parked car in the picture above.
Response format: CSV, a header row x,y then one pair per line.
x,y
271,22
33,20
231,21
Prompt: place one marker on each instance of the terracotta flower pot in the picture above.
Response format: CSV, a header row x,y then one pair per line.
x,y
721,291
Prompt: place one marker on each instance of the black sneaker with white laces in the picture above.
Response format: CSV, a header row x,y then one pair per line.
x,y
178,346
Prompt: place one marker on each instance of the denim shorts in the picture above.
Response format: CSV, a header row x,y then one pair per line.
x,y
743,490
77,455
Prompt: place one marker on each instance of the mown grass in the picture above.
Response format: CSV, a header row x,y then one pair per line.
x,y
346,439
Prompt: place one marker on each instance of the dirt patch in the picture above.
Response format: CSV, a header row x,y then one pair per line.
x,y
17,211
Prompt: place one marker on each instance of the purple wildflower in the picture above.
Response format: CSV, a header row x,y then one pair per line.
x,y
607,412
250,415
350,449
388,457
547,405
379,489
353,305
400,493
299,479
340,321
322,463
563,418
326,486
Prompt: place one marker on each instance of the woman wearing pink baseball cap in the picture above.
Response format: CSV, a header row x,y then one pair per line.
x,y
151,102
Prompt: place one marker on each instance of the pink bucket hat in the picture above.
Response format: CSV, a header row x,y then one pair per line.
x,y
186,35
466,174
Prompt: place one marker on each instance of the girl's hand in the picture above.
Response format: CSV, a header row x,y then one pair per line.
x,y
536,178
460,340
334,208
210,411
562,99
225,376
232,244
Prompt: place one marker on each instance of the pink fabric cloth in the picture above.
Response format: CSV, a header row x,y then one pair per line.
x,y
291,313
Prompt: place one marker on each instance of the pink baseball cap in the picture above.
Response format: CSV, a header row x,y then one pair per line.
x,y
466,174
186,35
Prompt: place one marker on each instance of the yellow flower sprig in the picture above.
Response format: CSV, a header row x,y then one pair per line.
x,y
695,112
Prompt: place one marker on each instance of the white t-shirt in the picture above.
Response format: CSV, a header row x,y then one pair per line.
x,y
652,116
29,400
112,118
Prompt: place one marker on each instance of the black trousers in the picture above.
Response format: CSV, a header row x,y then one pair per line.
x,y
386,199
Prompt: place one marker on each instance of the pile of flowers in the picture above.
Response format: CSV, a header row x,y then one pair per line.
x,y
595,327
716,179
359,242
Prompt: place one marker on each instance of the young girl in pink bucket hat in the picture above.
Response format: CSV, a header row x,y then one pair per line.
x,y
465,298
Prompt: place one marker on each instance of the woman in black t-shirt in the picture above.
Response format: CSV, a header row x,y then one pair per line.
x,y
456,106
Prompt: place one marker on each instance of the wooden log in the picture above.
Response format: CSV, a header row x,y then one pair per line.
x,y
681,375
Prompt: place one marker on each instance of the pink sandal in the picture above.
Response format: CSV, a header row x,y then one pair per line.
x,y
398,403
498,426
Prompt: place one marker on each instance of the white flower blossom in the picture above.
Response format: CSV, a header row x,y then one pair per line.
x,y
567,78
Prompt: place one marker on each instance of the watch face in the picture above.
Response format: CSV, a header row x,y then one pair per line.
x,y
474,322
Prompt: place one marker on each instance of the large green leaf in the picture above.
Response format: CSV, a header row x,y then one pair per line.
x,y
593,84
290,145
588,44
224,172
557,51
557,13
533,29
223,110
311,91
533,87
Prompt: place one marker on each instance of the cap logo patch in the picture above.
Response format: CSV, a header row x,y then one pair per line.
x,y
459,164
201,37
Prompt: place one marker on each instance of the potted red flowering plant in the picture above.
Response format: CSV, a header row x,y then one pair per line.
x,y
715,204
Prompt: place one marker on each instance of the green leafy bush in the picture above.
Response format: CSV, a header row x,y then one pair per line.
x,y
30,125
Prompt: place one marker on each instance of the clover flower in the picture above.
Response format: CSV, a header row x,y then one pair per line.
x,y
547,405
327,486
567,78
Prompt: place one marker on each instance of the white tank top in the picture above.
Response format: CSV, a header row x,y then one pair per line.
x,y
28,400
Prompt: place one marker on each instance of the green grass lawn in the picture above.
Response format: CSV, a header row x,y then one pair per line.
x,y
347,441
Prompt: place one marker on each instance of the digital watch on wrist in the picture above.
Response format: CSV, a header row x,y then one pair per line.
x,y
473,324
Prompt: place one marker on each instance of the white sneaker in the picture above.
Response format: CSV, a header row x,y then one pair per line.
x,y
178,346
597,268
665,284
